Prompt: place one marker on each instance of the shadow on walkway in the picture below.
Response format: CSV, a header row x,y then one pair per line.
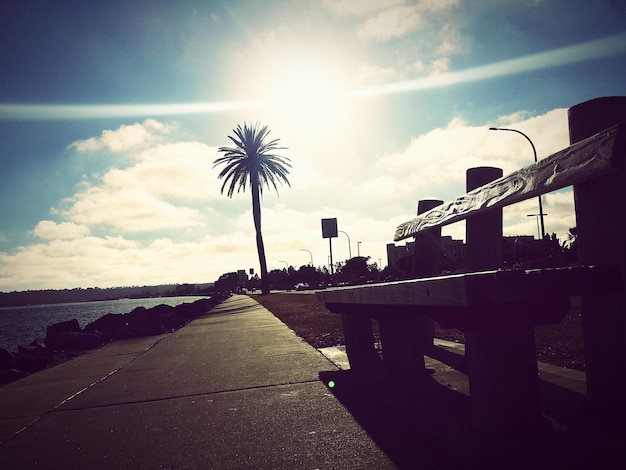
x,y
426,424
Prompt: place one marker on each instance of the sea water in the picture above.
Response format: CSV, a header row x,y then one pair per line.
x,y
21,325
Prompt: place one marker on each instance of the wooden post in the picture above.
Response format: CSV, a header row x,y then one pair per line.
x,y
426,263
601,226
406,338
502,365
483,232
359,338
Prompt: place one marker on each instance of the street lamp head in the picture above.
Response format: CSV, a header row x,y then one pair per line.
x,y
541,214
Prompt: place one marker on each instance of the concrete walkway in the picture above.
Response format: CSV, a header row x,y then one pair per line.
x,y
234,389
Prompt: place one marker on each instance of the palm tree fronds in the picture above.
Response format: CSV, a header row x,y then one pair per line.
x,y
251,158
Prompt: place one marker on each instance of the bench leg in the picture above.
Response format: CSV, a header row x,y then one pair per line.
x,y
504,382
604,336
604,316
405,340
357,331
601,224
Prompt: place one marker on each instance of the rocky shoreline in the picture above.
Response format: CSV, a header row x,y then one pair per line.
x,y
66,340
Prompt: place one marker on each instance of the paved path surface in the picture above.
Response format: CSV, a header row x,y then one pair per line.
x,y
233,389
237,389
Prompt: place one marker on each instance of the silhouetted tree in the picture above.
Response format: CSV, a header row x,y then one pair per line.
x,y
251,161
358,270
227,282
572,238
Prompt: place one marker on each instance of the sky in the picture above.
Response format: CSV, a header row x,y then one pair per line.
x,y
112,113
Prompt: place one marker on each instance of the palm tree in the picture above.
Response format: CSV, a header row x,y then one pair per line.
x,y
251,161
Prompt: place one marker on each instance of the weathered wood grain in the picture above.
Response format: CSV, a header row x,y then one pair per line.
x,y
588,159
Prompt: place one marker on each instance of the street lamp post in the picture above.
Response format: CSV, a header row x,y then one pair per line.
x,y
541,214
537,217
310,254
358,249
349,247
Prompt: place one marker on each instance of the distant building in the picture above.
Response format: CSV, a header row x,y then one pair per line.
x,y
400,257
517,250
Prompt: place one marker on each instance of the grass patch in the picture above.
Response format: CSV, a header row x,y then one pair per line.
x,y
307,318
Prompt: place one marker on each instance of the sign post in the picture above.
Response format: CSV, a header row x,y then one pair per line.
x,y
329,230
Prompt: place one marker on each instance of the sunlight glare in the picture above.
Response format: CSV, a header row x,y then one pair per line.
x,y
315,92
305,94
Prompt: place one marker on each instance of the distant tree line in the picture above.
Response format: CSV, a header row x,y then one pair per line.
x,y
549,252
357,270
92,294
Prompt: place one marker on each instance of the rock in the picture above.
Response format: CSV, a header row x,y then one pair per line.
x,y
32,358
9,375
7,359
164,319
147,322
70,326
38,343
36,347
67,336
110,327
32,363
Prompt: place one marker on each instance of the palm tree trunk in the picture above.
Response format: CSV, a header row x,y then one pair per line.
x,y
256,215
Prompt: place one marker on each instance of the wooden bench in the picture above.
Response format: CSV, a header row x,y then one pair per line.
x,y
498,309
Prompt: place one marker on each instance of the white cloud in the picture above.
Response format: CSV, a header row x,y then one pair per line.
x,y
153,194
450,41
360,7
383,20
549,133
433,156
102,262
393,22
367,73
125,138
433,165
49,230
434,67
512,118
424,34
129,209
179,170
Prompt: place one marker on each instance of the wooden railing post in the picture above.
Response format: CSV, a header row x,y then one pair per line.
x,y
502,365
405,339
426,263
601,225
483,233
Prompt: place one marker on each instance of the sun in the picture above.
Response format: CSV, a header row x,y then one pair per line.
x,y
305,93
298,88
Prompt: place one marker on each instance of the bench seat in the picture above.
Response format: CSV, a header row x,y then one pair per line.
x,y
482,301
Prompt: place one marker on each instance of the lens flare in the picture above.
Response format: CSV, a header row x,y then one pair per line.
x,y
314,95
